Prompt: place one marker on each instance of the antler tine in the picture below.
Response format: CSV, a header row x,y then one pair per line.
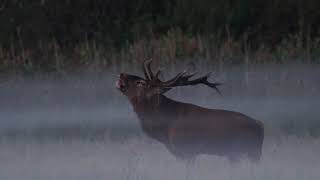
x,y
149,69
178,78
174,79
205,81
179,75
184,81
158,73
190,75
145,71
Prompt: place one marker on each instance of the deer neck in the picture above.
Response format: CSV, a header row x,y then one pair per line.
x,y
155,115
148,106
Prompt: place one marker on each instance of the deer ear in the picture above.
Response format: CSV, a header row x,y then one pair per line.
x,y
157,91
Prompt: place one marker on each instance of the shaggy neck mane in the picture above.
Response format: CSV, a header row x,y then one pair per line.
x,y
143,104
155,114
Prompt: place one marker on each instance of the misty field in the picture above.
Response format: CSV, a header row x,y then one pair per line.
x,y
80,127
286,157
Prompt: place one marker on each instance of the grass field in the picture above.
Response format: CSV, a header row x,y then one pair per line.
x,y
284,157
80,127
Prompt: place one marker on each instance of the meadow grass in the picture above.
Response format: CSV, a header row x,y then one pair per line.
x,y
174,46
81,127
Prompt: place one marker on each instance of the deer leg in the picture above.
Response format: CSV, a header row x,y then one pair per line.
x,y
190,164
254,154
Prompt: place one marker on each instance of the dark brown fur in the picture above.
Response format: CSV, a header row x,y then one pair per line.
x,y
188,130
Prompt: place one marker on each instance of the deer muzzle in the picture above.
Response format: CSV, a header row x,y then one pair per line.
x,y
121,84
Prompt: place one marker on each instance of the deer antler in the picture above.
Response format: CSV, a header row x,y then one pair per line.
x,y
147,70
181,79
146,66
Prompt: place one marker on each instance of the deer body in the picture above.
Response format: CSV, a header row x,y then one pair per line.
x,y
185,129
188,130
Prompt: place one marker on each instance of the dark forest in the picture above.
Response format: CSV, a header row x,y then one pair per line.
x,y
34,32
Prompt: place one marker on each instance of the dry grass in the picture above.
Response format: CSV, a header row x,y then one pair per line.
x,y
174,46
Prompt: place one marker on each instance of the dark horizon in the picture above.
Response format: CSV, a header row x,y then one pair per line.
x,y
48,35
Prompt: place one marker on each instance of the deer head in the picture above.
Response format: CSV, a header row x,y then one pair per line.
x,y
151,85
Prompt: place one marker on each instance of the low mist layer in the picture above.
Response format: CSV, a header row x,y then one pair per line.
x,y
81,127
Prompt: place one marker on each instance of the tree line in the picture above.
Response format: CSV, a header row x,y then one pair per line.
x,y
116,22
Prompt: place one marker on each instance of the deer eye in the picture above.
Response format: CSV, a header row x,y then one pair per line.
x,y
140,83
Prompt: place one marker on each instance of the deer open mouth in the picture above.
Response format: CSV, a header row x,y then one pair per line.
x,y
121,85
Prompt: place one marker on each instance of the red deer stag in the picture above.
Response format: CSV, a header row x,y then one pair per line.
x,y
185,129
